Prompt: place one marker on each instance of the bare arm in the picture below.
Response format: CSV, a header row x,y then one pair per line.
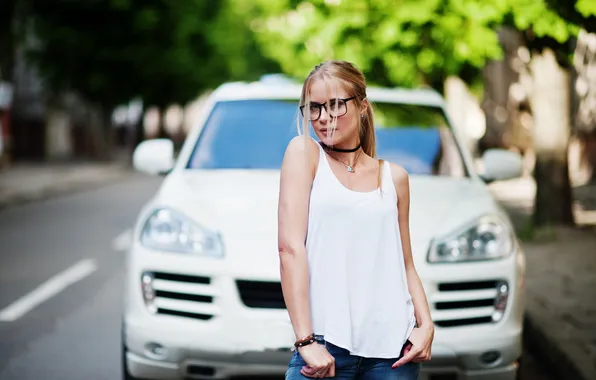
x,y
297,173
422,311
422,336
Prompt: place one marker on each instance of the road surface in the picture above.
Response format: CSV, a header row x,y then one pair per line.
x,y
61,275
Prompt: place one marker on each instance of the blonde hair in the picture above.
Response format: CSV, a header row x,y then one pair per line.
x,y
354,83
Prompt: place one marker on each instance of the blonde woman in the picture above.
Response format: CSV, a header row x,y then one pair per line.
x,y
354,297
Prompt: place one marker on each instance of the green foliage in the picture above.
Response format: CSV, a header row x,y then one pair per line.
x,y
234,45
163,51
7,37
543,21
169,51
581,13
406,43
586,7
111,51
403,42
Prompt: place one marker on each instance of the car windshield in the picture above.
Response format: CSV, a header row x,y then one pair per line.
x,y
253,134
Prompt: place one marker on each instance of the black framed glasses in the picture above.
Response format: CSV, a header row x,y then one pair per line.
x,y
336,108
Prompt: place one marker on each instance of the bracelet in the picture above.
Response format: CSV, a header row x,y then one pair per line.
x,y
304,342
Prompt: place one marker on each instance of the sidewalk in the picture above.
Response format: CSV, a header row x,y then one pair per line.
x,y
560,282
26,182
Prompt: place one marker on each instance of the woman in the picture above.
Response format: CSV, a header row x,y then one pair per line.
x,y
354,297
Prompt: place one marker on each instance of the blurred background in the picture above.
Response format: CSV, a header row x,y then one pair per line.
x,y
82,83
90,80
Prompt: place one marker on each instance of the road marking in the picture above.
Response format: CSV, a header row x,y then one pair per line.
x,y
48,289
123,241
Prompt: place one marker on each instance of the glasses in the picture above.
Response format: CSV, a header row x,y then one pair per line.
x,y
337,108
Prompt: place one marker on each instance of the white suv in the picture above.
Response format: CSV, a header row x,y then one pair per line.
x,y
203,298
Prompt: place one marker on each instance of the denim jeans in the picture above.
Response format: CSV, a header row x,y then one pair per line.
x,y
355,367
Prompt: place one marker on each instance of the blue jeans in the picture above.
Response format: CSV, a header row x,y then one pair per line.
x,y
351,367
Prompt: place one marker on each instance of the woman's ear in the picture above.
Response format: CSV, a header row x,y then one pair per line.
x,y
364,106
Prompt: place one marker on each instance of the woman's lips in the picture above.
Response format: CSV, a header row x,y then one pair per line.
x,y
328,131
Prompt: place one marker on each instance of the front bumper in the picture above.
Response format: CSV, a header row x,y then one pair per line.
x,y
209,366
218,366
508,372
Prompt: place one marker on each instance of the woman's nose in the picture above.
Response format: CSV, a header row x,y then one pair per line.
x,y
324,115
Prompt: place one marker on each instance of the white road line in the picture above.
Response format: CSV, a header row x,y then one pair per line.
x,y
48,289
123,241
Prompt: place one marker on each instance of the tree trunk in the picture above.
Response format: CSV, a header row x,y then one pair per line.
x,y
584,101
500,110
465,112
100,132
550,105
588,154
58,134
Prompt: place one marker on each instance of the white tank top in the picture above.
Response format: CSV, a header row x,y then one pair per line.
x,y
359,295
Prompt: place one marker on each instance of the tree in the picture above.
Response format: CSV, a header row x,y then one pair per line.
x,y
111,51
583,14
164,52
422,43
551,103
584,121
411,44
8,10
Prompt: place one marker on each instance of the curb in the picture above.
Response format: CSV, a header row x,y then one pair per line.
x,y
548,352
57,190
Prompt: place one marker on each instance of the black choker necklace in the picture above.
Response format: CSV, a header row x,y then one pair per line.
x,y
339,149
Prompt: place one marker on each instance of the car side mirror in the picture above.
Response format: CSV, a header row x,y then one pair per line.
x,y
155,156
501,164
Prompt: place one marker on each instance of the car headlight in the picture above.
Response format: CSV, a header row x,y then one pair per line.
x,y
487,238
169,230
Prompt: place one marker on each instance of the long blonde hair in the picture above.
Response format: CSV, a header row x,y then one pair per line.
x,y
354,83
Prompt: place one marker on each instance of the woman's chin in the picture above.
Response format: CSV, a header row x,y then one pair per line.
x,y
327,139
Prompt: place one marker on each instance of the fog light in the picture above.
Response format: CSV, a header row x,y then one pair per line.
x,y
148,291
500,301
490,357
156,350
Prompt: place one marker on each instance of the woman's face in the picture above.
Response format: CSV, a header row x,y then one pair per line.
x,y
346,113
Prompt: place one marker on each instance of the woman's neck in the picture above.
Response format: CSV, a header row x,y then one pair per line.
x,y
346,155
343,148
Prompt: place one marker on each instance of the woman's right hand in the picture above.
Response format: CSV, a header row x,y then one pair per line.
x,y
319,362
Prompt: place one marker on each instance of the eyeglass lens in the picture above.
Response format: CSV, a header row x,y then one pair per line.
x,y
336,108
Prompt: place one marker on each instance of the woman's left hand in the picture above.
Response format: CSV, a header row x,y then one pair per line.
x,y
421,340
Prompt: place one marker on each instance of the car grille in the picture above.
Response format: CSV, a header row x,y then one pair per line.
x,y
261,294
465,303
454,304
183,295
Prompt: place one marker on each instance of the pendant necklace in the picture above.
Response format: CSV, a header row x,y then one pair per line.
x,y
351,168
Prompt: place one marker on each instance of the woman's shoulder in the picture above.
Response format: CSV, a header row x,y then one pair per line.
x,y
302,149
302,143
399,174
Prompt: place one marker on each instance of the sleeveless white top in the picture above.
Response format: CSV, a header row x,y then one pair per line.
x,y
359,295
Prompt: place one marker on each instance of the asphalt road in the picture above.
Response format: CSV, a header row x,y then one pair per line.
x,y
71,330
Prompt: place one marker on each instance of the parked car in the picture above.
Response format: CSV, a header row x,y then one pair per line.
x,y
203,298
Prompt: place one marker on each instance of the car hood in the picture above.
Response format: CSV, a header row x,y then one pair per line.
x,y
242,206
